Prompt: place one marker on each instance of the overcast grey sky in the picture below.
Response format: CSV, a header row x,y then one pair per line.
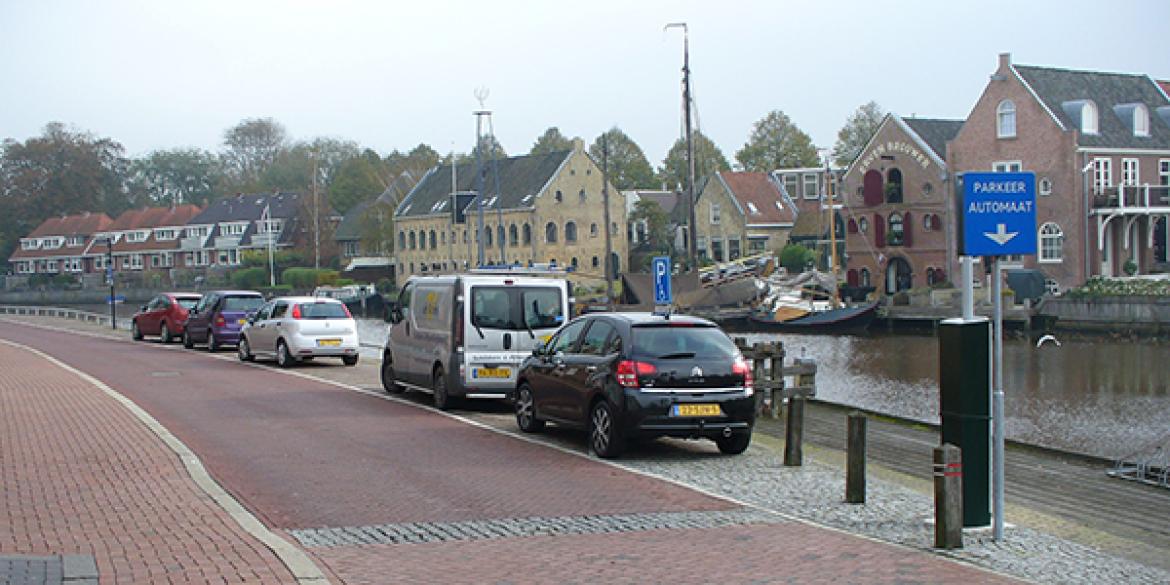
x,y
390,75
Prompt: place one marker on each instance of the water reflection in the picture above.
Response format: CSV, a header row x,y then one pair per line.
x,y
1103,397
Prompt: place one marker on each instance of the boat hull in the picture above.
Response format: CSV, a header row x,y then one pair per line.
x,y
843,319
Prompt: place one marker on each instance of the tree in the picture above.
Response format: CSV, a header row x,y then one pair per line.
x,y
356,181
628,167
708,159
796,258
62,171
551,141
252,146
181,175
491,147
411,165
777,143
376,229
857,131
657,224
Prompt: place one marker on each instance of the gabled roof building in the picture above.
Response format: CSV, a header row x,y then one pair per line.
x,y
741,213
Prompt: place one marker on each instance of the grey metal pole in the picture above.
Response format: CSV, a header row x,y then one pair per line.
x,y
110,264
997,414
968,288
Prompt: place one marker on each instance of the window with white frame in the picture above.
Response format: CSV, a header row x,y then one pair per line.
x,y
168,259
155,261
1089,118
1045,186
351,249
137,236
197,232
1129,172
1164,172
1005,115
29,244
135,261
1051,243
99,262
791,182
715,214
166,234
232,229
272,226
189,259
1102,174
222,257
125,262
810,186
53,243
1141,121
75,241
1007,166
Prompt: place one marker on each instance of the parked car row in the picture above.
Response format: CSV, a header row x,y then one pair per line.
x,y
620,376
286,329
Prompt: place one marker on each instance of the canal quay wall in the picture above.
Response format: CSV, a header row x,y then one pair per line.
x,y
1108,314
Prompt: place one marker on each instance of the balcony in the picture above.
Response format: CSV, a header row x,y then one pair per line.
x,y
192,243
225,242
1137,199
264,240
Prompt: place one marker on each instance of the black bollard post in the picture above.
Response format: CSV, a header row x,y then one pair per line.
x,y
855,460
948,497
794,432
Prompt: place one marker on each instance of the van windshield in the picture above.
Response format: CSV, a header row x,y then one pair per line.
x,y
517,307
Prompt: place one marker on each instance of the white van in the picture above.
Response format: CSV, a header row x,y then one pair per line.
x,y
464,335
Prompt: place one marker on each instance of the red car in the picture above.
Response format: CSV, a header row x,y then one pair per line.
x,y
165,316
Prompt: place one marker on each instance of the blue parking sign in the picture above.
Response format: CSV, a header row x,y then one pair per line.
x,y
660,268
998,214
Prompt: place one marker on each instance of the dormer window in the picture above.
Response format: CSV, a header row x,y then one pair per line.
x,y
75,241
137,236
752,208
1089,118
1141,120
1006,119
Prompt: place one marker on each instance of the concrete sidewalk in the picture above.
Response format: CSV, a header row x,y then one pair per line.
x,y
83,477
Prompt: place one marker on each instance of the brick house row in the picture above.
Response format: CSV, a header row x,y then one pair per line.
x,y
155,239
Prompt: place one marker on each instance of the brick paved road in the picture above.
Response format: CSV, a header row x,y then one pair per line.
x,y
462,504
81,475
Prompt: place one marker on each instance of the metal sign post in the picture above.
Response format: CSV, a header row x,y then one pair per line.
x,y
660,268
998,218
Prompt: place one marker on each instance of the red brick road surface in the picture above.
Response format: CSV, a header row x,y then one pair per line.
x,y
81,475
305,454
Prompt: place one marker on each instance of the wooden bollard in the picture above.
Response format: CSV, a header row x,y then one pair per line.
x,y
776,377
855,460
794,432
948,497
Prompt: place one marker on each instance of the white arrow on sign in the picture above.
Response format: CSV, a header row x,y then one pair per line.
x,y
1001,236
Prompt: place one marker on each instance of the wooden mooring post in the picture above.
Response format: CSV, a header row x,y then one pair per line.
x,y
855,459
948,497
769,372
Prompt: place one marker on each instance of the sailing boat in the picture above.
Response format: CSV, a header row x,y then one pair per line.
x,y
809,301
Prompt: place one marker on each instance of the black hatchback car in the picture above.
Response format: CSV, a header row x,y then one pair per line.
x,y
625,376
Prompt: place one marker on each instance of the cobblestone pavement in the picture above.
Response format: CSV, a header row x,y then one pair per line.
x,y
735,545
81,475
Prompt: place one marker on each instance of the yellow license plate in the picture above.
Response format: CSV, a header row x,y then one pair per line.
x,y
491,373
241,321
697,410
328,342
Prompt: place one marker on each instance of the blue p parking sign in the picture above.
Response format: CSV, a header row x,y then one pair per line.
x,y
660,268
998,214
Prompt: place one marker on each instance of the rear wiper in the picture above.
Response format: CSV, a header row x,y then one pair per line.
x,y
524,318
679,355
477,329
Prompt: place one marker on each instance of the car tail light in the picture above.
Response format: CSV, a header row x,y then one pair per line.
x,y
741,368
348,315
628,372
296,312
219,321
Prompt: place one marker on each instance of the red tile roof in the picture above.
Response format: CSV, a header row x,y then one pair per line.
x,y
150,218
82,224
761,192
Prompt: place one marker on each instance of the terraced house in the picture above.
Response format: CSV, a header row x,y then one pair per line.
x,y
1099,144
62,244
146,239
537,208
221,233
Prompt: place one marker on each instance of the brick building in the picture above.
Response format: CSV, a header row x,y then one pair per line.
x,y
146,239
230,226
1099,144
807,188
547,208
62,244
741,213
897,206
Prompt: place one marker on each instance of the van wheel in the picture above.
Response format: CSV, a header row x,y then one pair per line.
x,y
388,382
165,335
135,332
604,435
526,410
442,399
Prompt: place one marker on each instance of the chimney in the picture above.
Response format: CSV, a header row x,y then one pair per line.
x,y
1005,63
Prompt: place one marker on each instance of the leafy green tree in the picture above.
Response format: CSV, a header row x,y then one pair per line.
x,y
293,168
62,171
376,229
777,143
356,181
410,166
251,147
657,224
551,141
181,175
795,258
708,159
491,147
858,129
628,167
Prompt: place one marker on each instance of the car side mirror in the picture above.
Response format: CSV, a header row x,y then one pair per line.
x,y
142,308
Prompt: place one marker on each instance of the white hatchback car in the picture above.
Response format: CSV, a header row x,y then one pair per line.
x,y
291,329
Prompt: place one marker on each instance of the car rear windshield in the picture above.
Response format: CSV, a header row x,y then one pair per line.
x,y
517,307
322,310
244,304
682,342
187,303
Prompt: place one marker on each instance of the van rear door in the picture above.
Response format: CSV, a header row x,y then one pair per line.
x,y
505,322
